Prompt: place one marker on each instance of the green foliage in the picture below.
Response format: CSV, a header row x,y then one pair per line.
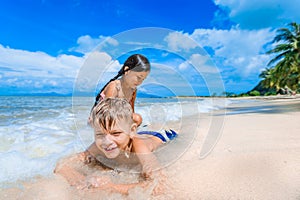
x,y
254,93
286,68
270,93
245,95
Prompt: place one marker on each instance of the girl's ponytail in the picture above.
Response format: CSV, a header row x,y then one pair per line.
x,y
120,73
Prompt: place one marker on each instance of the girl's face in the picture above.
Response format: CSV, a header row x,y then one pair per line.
x,y
134,79
113,142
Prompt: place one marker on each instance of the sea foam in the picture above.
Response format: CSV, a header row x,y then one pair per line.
x,y
35,132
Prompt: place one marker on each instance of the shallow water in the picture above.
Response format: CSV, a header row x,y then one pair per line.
x,y
35,132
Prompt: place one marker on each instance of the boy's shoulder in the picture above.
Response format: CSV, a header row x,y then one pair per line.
x,y
144,143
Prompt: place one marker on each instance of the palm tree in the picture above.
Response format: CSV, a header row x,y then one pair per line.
x,y
286,71
269,78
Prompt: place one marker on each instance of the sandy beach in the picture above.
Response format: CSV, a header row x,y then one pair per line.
x,y
256,157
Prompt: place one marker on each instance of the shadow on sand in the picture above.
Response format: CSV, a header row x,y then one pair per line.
x,y
263,107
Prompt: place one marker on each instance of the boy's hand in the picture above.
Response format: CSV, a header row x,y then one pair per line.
x,y
95,182
101,182
86,157
162,184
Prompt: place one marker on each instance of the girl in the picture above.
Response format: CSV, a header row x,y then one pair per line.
x,y
134,71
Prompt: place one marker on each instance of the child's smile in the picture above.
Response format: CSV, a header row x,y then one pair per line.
x,y
113,142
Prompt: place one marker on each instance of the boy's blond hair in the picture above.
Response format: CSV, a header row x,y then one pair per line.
x,y
109,110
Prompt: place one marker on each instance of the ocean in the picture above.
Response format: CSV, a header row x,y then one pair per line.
x,y
35,132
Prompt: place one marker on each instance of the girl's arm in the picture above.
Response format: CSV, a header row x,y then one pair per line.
x,y
133,100
137,118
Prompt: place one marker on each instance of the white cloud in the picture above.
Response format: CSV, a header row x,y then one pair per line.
x,y
240,49
41,72
12,80
239,55
180,41
20,68
256,14
142,89
88,44
183,66
98,67
21,63
202,63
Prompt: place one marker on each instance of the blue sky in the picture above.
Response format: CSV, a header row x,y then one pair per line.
x,y
49,45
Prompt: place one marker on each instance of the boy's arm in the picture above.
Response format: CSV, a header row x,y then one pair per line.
x,y
144,152
151,168
104,183
91,152
66,168
149,163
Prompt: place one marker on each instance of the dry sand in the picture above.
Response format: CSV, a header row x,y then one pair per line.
x,y
256,157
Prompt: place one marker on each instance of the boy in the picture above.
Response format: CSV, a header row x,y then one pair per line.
x,y
117,144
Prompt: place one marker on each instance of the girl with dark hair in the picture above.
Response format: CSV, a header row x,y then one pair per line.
x,y
134,71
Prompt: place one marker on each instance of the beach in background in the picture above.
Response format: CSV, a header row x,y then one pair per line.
x,y
255,155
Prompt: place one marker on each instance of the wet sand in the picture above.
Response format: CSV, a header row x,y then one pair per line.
x,y
257,156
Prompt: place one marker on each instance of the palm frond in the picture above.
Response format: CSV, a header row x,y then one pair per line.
x,y
286,71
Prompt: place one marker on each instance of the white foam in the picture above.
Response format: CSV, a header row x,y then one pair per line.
x,y
32,140
174,111
16,165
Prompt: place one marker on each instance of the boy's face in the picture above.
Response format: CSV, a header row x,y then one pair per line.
x,y
113,142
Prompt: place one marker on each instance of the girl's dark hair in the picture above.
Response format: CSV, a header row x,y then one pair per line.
x,y
135,62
